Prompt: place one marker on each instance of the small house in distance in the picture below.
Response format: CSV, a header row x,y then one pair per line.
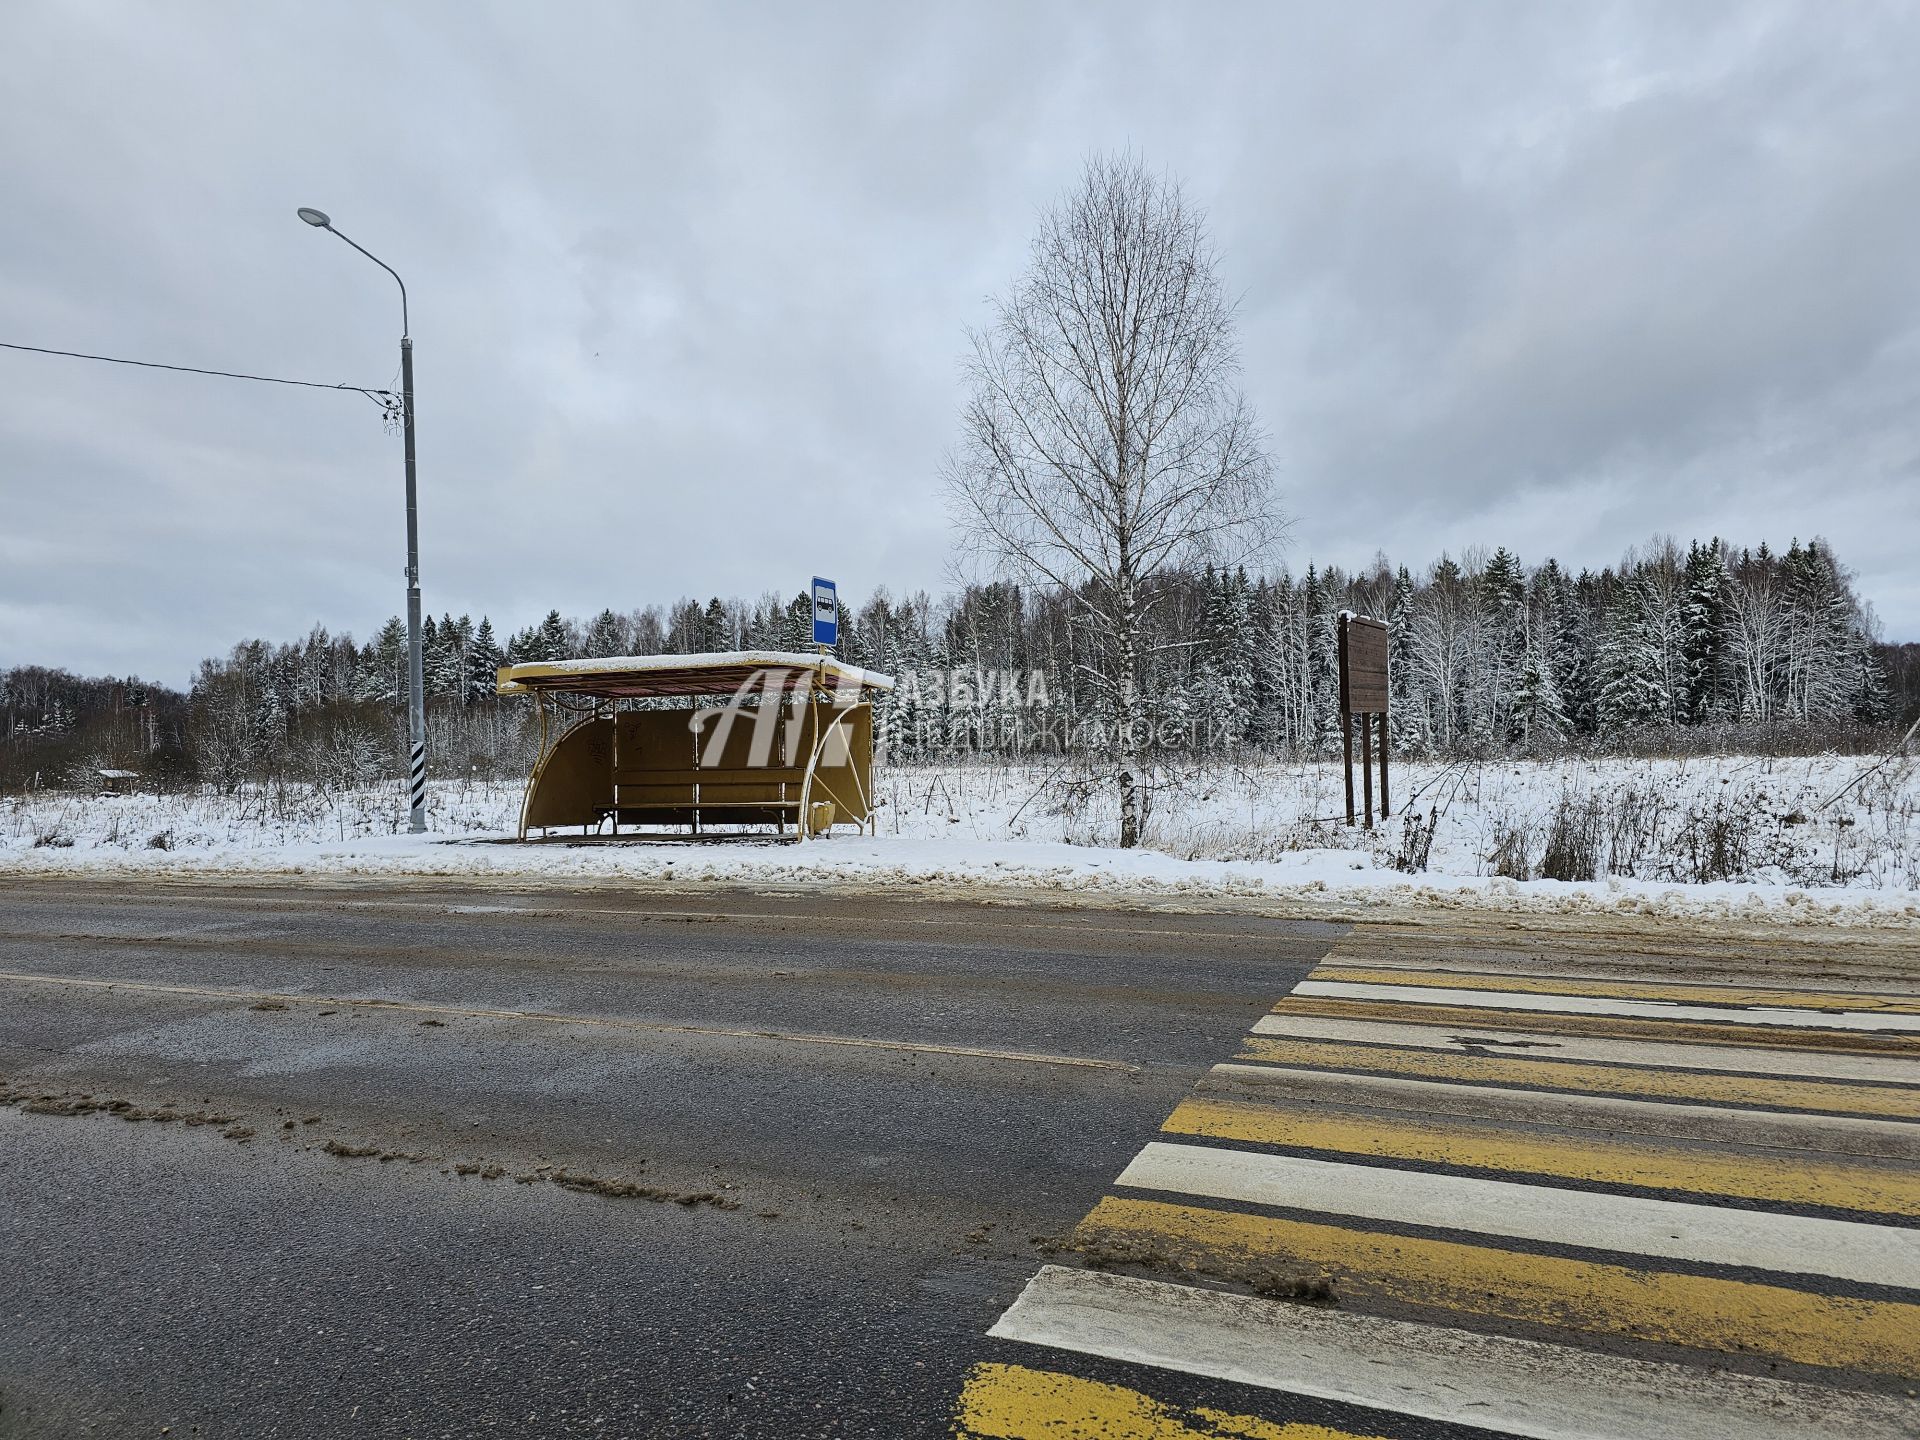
x,y
698,742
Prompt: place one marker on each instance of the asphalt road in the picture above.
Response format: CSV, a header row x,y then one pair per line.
x,y
404,1159
357,1180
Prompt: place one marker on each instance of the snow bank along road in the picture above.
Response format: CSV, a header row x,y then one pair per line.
x,y
411,1159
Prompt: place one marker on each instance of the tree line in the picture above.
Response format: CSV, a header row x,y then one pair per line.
x,y
1692,647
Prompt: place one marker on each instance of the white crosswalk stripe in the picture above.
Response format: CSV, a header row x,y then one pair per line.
x,y
1630,1224
1592,1005
1521,1387
1813,1064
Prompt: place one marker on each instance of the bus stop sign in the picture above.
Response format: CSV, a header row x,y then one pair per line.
x,y
826,613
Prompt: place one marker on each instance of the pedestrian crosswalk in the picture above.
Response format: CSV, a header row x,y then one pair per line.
x,y
1509,1201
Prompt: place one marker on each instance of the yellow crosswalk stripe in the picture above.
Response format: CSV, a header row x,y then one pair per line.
x,y
1701,1312
1610,1027
1529,1074
1013,1402
1803,1182
1621,989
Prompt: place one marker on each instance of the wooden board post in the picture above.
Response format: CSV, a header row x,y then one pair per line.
x,y
1366,770
1363,695
1385,808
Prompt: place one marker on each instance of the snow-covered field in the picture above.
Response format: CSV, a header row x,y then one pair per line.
x,y
1824,837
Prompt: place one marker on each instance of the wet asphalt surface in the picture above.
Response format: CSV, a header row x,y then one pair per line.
x,y
826,1230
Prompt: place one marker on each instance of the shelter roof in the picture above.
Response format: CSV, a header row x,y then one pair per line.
x,y
715,673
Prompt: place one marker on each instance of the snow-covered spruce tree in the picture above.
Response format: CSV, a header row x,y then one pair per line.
x,y
1263,727
606,637
796,623
1105,443
1406,698
523,646
1704,647
1502,646
444,658
315,665
429,647
1240,657
1583,626
1322,612
383,672
914,707
961,649
1205,693
1555,641
716,627
552,640
483,663
1632,694
1539,716
1219,703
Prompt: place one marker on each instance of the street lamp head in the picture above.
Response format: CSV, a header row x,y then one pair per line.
x,y
316,218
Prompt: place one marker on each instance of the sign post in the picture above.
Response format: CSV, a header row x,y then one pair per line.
x,y
826,614
1363,695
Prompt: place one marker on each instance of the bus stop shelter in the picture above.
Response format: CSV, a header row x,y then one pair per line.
x,y
699,742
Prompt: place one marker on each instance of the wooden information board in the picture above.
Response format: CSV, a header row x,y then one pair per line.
x,y
1363,695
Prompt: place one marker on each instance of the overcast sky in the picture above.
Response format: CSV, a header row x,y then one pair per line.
x,y
690,287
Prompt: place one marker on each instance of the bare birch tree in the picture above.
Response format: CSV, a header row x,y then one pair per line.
x,y
1105,441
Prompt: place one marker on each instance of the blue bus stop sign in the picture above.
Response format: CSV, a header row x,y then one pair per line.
x,y
826,613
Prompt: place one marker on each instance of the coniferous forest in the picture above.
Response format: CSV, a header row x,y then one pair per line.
x,y
1675,650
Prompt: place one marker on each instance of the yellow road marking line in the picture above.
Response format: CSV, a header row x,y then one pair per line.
x,y
1852,1135
1802,1182
1623,989
1701,1312
1741,1090
1012,1402
607,1022
1611,1027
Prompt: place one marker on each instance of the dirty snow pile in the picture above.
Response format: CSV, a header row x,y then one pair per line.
x,y
1822,837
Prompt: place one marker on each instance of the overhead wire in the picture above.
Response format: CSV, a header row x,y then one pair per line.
x,y
385,399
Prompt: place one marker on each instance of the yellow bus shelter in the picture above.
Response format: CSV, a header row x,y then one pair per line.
x,y
777,738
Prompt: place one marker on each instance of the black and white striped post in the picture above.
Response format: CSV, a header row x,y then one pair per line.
x,y
416,687
417,785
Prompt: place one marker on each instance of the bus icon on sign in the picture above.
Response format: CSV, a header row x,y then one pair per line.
x,y
826,613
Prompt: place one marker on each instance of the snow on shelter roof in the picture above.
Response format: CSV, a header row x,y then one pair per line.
x,y
717,673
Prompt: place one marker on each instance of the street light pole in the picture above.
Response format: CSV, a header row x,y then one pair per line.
x,y
416,686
